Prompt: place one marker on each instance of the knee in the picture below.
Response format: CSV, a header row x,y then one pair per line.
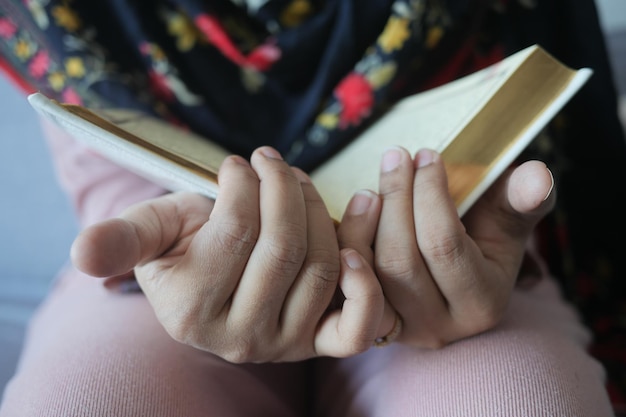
x,y
95,384
505,372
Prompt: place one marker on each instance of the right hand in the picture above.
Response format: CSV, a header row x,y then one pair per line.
x,y
250,276
448,278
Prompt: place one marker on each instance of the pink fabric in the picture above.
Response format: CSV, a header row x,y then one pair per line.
x,y
533,364
94,352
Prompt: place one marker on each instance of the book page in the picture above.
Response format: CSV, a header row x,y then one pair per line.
x,y
431,119
479,124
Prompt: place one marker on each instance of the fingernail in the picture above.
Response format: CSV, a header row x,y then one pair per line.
x,y
424,158
270,152
353,259
391,159
551,185
360,202
238,159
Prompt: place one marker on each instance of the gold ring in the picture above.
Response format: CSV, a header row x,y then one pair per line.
x,y
392,335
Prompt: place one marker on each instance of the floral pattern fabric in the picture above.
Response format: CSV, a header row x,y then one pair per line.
x,y
300,75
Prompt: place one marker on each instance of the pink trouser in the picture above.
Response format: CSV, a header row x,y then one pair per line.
x,y
94,352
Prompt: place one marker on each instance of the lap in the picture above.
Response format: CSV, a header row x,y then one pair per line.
x,y
104,352
535,360
93,352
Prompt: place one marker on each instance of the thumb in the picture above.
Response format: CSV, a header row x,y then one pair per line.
x,y
140,234
505,218
106,249
530,189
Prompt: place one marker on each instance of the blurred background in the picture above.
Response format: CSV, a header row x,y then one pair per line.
x,y
36,221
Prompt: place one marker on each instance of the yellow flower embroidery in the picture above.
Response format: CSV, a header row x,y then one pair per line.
x,y
382,75
56,80
252,79
23,49
295,13
395,33
66,18
328,120
180,26
433,36
153,51
74,67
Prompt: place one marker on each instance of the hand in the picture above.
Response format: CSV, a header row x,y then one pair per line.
x,y
449,278
248,277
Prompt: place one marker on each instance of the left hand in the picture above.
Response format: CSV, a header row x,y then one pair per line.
x,y
250,276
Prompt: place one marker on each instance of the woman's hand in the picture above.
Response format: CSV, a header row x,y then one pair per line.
x,y
250,276
449,278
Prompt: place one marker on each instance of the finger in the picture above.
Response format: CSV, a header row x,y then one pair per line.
x,y
399,264
218,254
354,328
312,291
139,234
453,262
191,297
357,229
530,190
281,248
475,267
502,221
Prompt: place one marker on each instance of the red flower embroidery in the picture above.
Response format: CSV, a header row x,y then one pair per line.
x,y
38,66
216,34
261,58
160,87
145,48
7,28
70,96
356,97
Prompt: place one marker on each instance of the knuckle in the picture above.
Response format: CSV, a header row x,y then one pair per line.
x,y
515,224
286,253
435,343
486,323
434,335
355,344
443,248
237,237
241,351
182,328
488,318
322,268
282,173
432,338
314,203
430,184
393,188
396,264
249,342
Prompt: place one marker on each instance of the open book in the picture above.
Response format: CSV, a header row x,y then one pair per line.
x,y
479,123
